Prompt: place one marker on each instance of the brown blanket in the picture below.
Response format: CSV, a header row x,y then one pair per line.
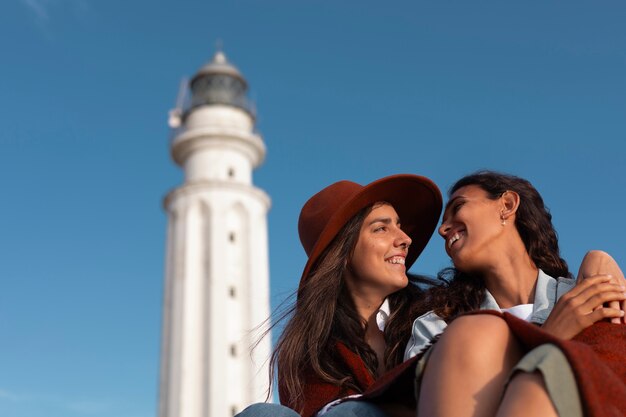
x,y
597,356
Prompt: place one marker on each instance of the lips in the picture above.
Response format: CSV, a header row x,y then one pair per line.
x,y
454,237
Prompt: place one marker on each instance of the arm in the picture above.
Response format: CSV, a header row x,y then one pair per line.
x,y
600,281
598,262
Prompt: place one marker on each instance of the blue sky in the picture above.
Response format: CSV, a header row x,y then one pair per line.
x,y
345,90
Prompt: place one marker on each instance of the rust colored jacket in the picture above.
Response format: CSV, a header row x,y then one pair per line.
x,y
318,393
394,387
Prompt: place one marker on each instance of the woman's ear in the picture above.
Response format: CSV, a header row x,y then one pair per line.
x,y
510,203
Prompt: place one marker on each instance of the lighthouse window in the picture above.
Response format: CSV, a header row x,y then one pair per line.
x,y
231,236
233,411
231,173
233,350
232,292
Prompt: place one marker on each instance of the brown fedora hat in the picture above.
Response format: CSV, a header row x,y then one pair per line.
x,y
416,199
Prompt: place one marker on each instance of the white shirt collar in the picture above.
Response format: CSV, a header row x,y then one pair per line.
x,y
382,315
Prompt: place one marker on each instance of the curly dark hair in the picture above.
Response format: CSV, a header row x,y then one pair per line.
x,y
462,292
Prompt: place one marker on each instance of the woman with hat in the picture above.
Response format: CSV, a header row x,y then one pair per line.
x,y
500,238
351,319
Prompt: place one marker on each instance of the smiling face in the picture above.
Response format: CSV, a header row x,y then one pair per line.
x,y
377,264
472,229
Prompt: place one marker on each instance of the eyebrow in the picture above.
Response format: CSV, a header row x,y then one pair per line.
x,y
385,220
452,201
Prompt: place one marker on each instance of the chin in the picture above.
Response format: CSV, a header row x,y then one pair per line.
x,y
468,268
403,283
460,265
396,286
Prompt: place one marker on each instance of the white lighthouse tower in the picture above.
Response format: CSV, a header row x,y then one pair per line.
x,y
217,275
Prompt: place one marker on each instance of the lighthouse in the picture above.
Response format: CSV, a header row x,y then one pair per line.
x,y
216,270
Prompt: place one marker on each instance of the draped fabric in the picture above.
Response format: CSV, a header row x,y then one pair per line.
x,y
318,393
597,357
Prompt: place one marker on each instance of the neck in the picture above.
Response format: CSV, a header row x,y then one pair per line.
x,y
367,307
512,279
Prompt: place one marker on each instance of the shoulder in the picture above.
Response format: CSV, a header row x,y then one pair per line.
x,y
557,286
548,290
425,328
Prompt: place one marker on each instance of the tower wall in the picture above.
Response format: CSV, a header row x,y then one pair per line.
x,y
217,273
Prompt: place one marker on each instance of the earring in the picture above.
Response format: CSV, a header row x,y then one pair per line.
x,y
502,219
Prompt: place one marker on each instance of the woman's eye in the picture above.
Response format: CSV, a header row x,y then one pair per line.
x,y
456,207
380,229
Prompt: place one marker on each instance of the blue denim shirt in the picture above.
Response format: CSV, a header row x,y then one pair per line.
x,y
547,293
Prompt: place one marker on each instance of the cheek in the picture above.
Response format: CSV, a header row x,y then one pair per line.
x,y
365,250
364,258
484,225
489,229
358,258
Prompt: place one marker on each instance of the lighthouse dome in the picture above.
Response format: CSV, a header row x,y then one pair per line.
x,y
219,82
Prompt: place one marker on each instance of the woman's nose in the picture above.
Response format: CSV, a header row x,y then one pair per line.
x,y
443,229
403,239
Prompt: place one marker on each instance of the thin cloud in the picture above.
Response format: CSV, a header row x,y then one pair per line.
x,y
39,8
43,10
88,407
7,395
83,407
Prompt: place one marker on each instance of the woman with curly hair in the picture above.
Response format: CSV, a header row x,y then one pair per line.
x,y
500,238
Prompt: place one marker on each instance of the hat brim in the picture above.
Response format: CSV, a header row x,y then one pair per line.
x,y
416,199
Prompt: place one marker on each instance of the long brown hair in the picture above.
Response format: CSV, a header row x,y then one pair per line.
x,y
324,314
463,292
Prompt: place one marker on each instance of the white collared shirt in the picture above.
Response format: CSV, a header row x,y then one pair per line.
x,y
522,311
382,315
548,290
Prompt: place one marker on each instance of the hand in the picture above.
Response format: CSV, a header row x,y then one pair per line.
x,y
584,305
617,304
597,262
